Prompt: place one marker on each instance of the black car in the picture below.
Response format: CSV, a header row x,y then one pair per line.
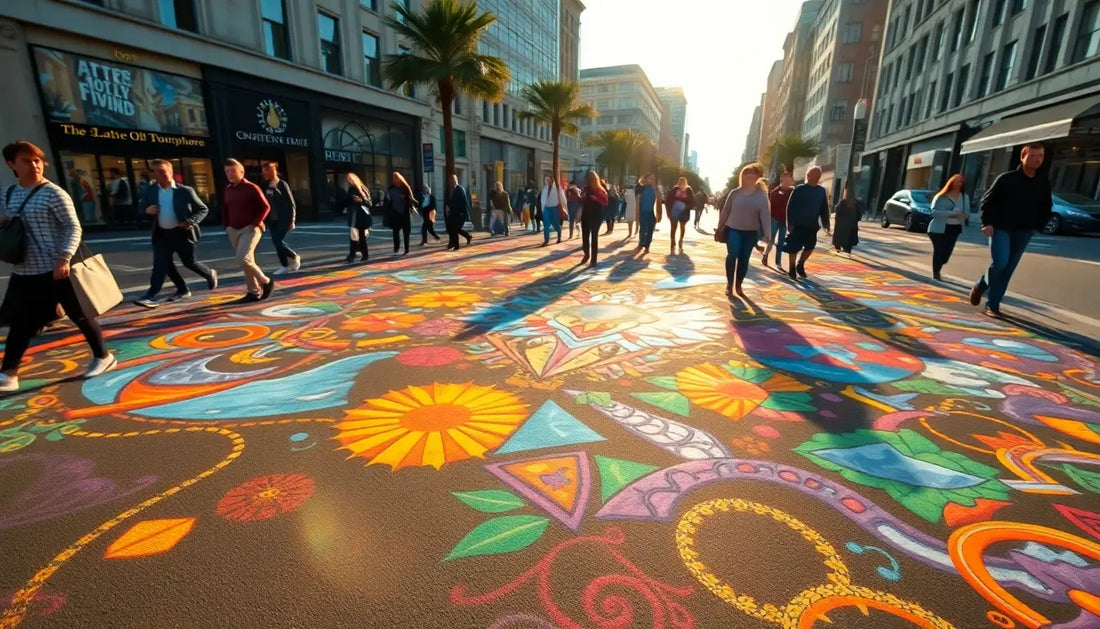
x,y
911,208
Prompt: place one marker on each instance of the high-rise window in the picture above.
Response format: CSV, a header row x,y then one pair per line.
x,y
937,48
945,95
975,9
372,69
922,53
1008,64
957,30
1036,52
1018,5
931,99
838,111
999,7
986,76
1056,37
409,89
276,42
328,29
844,72
909,63
178,14
851,33
961,80
369,4
1088,33
404,4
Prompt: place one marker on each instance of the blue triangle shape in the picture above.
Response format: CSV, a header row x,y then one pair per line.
x,y
549,427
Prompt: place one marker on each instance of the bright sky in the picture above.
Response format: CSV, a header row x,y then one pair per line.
x,y
719,51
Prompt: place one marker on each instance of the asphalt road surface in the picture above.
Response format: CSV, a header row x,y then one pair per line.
x,y
501,438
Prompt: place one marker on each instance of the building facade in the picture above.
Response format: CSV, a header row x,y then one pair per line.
x,y
752,138
797,47
623,98
963,84
674,99
847,38
570,40
770,112
295,83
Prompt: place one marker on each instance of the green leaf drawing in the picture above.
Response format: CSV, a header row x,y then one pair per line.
x,y
665,382
597,398
1077,397
924,385
1086,479
790,401
670,401
898,481
490,500
755,375
617,473
505,534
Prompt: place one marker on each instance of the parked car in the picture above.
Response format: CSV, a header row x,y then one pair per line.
x,y
911,208
1073,213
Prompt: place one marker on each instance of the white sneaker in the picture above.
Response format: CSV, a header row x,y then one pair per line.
x,y
296,264
100,366
279,271
146,302
8,384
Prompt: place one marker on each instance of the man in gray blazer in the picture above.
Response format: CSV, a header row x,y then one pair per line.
x,y
177,211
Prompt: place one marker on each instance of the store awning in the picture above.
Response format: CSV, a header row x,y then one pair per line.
x,y
1056,121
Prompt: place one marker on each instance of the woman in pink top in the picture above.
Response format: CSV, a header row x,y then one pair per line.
x,y
746,214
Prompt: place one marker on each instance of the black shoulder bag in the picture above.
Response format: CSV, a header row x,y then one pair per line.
x,y
13,235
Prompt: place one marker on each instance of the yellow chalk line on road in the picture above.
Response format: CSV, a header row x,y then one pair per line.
x,y
23,598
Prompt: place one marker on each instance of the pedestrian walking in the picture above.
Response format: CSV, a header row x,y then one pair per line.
x,y
177,212
950,207
427,216
400,202
594,200
611,210
550,200
807,212
846,219
1013,208
281,199
777,202
500,210
244,209
573,203
455,212
700,206
630,210
121,198
357,206
40,282
532,198
649,211
744,216
680,199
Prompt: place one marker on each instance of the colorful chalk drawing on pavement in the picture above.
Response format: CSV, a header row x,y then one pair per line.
x,y
502,440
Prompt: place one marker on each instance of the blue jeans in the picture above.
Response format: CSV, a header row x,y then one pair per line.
x,y
647,221
779,236
1005,248
739,246
285,253
551,217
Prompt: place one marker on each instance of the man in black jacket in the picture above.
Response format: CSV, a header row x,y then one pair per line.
x,y
283,209
1015,206
176,211
455,212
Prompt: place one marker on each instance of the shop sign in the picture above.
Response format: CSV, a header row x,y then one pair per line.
x,y
268,120
346,157
429,156
97,93
133,135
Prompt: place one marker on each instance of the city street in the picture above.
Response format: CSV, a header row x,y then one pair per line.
x,y
498,437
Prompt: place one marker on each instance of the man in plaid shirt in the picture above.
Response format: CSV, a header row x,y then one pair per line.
x,y
41,281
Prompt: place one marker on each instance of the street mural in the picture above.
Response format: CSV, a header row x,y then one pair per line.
x,y
504,440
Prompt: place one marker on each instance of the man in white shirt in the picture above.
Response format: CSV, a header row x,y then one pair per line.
x,y
177,212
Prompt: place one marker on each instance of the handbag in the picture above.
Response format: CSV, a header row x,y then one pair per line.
x,y
94,284
13,235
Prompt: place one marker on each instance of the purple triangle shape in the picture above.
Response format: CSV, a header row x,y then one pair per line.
x,y
571,519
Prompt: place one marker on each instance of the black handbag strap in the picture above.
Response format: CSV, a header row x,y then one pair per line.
x,y
83,252
11,189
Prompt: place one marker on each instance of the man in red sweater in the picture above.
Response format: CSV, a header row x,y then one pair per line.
x,y
777,201
244,209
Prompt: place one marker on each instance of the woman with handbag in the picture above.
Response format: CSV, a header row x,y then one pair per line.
x,y
39,234
427,216
744,216
551,201
399,206
680,200
846,221
359,218
950,208
500,210
594,200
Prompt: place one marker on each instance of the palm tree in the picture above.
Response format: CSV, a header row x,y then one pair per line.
x,y
556,103
622,149
791,147
443,38
610,143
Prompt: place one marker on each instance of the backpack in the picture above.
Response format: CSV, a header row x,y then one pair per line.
x,y
13,235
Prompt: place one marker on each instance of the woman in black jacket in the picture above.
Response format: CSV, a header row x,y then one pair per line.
x,y
357,207
427,216
400,202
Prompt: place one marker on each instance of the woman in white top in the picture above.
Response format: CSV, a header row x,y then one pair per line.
x,y
552,198
744,216
950,208
631,215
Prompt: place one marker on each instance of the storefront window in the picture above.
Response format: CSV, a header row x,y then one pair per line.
x,y
82,180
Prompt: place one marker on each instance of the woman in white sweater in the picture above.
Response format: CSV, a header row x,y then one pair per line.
x,y
552,198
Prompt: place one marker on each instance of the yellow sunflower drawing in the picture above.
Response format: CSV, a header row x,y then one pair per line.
x,y
431,425
737,389
441,299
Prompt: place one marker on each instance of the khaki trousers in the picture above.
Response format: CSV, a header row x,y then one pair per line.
x,y
244,242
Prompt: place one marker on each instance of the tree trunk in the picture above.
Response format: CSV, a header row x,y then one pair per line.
x,y
555,133
446,98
